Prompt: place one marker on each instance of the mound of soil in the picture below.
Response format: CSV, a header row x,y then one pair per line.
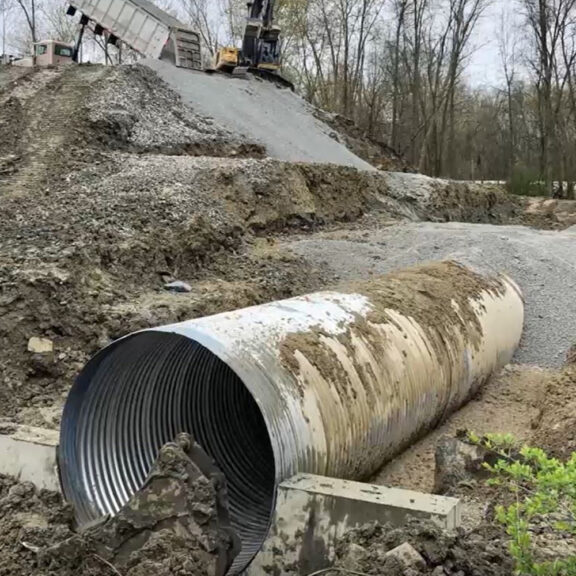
x,y
552,213
135,110
29,520
481,552
555,425
86,262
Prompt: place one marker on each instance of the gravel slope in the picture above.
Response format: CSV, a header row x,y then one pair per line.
x,y
543,263
260,111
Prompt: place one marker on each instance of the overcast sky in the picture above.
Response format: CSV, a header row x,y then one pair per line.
x,y
485,67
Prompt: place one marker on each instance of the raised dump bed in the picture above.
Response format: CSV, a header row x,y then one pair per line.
x,y
145,28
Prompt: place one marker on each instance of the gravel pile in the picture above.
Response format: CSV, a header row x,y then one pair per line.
x,y
543,263
137,108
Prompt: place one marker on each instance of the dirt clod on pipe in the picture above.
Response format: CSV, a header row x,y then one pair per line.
x,y
334,383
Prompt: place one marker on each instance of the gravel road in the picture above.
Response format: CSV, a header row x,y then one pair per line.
x,y
261,112
543,263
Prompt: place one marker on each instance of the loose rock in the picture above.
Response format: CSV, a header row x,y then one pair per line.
x,y
40,345
178,286
408,556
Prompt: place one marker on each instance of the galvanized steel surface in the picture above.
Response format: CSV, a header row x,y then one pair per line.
x,y
341,382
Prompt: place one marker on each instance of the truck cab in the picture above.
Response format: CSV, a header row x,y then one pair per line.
x,y
53,52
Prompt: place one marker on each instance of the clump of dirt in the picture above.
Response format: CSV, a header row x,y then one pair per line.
x,y
372,150
480,552
30,520
177,523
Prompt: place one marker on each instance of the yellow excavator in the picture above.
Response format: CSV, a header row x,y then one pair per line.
x,y
260,52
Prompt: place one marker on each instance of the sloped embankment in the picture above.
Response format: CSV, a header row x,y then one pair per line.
x,y
56,120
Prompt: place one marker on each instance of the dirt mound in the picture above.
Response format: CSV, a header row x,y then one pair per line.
x,y
440,200
550,213
177,523
87,262
556,422
481,552
135,110
29,520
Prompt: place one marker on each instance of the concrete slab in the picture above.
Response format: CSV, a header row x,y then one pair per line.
x,y
29,454
313,512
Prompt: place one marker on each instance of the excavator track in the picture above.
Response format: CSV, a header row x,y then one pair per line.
x,y
242,72
271,77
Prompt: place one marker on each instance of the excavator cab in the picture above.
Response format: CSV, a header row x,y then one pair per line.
x,y
269,50
260,53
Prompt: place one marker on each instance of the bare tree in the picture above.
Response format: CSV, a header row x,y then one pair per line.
x,y
508,51
28,8
197,13
5,7
400,14
549,22
55,23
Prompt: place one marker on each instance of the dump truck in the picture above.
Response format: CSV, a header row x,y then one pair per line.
x,y
144,27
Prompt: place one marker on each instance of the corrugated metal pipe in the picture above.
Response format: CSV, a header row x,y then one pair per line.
x,y
333,383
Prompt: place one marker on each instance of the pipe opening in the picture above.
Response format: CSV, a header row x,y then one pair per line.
x,y
139,394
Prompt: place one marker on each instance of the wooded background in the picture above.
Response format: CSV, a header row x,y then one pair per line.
x,y
397,68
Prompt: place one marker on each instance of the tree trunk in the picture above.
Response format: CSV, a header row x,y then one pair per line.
x,y
396,72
